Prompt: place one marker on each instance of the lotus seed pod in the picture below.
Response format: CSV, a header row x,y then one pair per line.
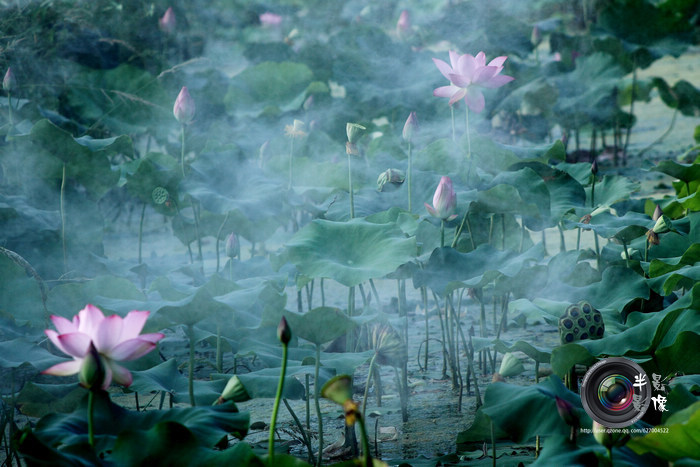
x,y
390,180
234,391
160,195
354,131
338,389
580,321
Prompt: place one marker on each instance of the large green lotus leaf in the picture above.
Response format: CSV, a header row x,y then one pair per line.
x,y
208,423
535,311
37,400
320,325
25,304
448,269
669,335
263,383
685,277
610,190
172,444
250,303
661,266
19,218
684,172
690,382
266,86
493,157
565,192
533,199
628,227
147,173
86,163
405,220
349,252
537,354
682,440
15,352
523,412
683,96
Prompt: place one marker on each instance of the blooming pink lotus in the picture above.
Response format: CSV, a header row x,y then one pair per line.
x,y
467,74
270,19
444,201
184,107
115,339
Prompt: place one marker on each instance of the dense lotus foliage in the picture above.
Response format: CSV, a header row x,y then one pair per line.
x,y
318,238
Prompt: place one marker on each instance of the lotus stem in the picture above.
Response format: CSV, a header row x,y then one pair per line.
x,y
91,418
308,401
597,249
62,203
442,233
365,442
218,239
352,196
562,242
493,444
143,215
182,149
317,389
452,111
627,255
190,377
408,175
424,295
323,294
195,216
633,97
374,291
275,408
469,145
578,239
369,379
219,350
291,162
304,434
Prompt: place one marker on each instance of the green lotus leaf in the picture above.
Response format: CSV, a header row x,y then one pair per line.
x,y
448,269
167,378
208,424
682,440
88,163
37,400
659,266
263,383
320,325
349,252
26,303
268,85
684,277
626,228
684,172
538,354
15,352
523,412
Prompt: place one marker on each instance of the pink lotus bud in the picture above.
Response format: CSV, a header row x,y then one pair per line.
x,y
410,127
594,167
92,371
270,19
566,411
9,82
168,23
184,107
403,25
232,246
284,333
444,201
657,213
536,36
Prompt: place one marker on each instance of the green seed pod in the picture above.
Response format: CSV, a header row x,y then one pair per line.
x,y
580,321
338,389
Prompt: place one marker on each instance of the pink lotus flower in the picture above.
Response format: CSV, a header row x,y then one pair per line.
x,y
184,107
115,339
168,23
403,25
444,201
270,19
467,74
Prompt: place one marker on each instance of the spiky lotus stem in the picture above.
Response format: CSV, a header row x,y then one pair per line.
x,y
275,408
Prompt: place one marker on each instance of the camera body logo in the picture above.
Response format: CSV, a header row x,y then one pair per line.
x,y
616,392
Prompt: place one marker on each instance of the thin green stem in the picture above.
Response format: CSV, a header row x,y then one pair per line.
x,y
182,149
632,99
304,434
190,376
365,442
91,418
275,408
452,112
219,350
291,162
218,239
352,196
408,175
317,389
442,233
143,215
469,144
62,202
424,295
369,379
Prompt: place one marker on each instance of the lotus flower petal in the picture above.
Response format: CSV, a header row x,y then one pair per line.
x,y
445,91
121,375
475,99
498,61
444,68
74,343
497,81
68,368
131,349
109,333
133,323
89,319
63,325
460,94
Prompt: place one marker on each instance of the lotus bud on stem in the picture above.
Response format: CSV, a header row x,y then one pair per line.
x,y
284,334
354,131
409,129
568,414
